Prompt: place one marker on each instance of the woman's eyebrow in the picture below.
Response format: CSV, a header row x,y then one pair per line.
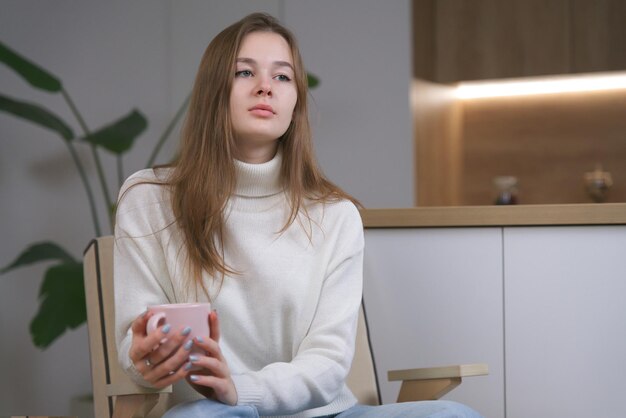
x,y
275,63
284,64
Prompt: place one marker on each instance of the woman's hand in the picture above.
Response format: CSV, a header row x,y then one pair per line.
x,y
214,380
161,357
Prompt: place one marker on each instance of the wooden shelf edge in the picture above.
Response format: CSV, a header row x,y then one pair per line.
x,y
516,215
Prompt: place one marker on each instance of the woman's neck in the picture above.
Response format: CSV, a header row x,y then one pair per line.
x,y
259,179
256,153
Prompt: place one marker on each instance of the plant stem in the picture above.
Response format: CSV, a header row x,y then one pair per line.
x,y
167,132
83,176
94,153
120,171
103,184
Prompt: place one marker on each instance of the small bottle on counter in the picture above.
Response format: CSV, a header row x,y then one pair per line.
x,y
506,190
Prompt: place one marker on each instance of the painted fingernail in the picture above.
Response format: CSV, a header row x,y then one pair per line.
x,y
187,366
186,331
193,358
144,313
193,378
188,345
163,341
199,339
166,328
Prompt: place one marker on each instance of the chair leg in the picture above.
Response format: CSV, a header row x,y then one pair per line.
x,y
426,390
127,406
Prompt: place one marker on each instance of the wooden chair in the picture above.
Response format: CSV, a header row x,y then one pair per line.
x,y
115,395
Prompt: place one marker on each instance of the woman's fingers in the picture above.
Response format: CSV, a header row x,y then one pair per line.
x,y
213,379
214,326
166,344
216,383
143,346
223,388
212,365
173,363
172,376
139,324
142,343
210,346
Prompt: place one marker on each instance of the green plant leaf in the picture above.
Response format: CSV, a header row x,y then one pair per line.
x,y
36,114
62,303
31,72
40,251
312,80
118,137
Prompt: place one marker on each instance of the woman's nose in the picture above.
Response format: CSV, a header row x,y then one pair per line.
x,y
264,88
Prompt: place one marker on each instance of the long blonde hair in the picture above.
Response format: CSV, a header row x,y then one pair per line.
x,y
204,176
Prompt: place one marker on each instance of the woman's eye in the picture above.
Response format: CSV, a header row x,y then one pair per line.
x,y
282,77
243,73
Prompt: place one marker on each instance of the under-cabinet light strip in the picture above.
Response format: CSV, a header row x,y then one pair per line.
x,y
544,85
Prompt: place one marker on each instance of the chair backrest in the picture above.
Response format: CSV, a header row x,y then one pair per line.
x,y
109,380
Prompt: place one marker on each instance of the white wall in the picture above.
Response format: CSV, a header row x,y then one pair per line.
x,y
118,55
361,52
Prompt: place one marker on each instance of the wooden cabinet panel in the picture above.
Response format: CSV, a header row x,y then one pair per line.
x,y
564,311
598,35
434,297
437,119
548,142
497,39
457,40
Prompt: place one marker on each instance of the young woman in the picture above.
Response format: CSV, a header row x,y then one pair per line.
x,y
245,219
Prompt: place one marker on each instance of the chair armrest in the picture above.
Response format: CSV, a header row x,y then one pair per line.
x,y
129,388
462,370
433,382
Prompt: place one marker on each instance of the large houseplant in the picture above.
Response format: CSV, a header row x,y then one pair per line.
x,y
62,300
62,297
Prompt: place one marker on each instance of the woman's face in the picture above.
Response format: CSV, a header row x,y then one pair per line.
x,y
263,95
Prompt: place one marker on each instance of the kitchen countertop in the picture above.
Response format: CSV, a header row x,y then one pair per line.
x,y
514,215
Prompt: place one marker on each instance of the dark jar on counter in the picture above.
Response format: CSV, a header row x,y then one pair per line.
x,y
506,190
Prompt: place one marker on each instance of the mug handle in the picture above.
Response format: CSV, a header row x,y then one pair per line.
x,y
153,322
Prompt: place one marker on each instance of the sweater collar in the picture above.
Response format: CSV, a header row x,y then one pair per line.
x,y
259,180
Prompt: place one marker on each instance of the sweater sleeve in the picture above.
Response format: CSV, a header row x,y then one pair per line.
x,y
317,373
140,273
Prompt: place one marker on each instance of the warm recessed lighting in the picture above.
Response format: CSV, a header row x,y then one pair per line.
x,y
541,85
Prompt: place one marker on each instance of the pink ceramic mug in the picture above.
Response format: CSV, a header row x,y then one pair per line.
x,y
180,316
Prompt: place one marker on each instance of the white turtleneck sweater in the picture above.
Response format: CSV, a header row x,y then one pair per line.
x,y
288,322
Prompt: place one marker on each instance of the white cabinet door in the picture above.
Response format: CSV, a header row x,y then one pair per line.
x,y
433,298
565,317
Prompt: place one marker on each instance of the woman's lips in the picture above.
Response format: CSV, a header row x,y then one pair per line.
x,y
262,110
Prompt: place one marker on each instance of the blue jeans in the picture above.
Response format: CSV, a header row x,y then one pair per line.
x,y
206,408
